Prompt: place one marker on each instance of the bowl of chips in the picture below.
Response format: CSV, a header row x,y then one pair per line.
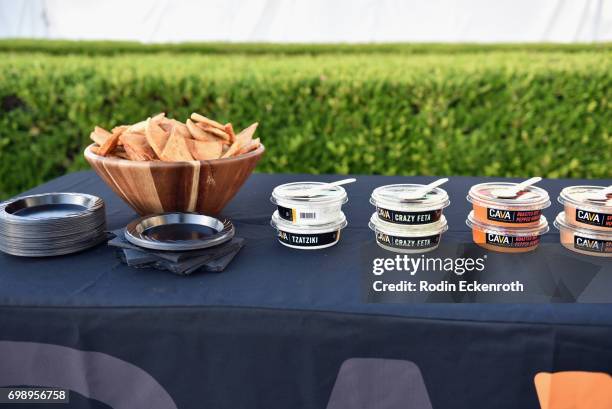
x,y
163,165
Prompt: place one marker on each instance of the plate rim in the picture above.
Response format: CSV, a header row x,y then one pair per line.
x,y
138,240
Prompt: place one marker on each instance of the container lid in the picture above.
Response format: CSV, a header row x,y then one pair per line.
x,y
389,196
289,194
281,224
579,196
531,197
540,229
561,222
403,230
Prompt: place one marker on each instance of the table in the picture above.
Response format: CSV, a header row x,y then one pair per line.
x,y
274,329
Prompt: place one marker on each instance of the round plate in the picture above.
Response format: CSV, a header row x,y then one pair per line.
x,y
178,231
50,206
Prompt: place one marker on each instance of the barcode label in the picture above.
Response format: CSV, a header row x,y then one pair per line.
x,y
308,215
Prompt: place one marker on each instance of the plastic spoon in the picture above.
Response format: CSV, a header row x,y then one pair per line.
x,y
600,195
315,190
513,191
422,191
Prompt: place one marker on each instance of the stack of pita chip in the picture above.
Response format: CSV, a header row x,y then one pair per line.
x,y
166,139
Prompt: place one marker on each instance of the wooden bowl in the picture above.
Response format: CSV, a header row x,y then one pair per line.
x,y
156,187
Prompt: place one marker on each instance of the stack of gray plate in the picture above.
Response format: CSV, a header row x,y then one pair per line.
x,y
51,224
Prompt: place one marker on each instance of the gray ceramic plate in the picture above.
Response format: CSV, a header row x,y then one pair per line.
x,y
178,231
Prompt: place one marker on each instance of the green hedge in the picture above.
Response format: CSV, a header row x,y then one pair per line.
x,y
63,47
495,114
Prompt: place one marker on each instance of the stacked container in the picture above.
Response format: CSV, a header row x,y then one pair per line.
x,y
585,224
509,225
408,226
308,222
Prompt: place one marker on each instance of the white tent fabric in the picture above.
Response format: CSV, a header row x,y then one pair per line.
x,y
315,21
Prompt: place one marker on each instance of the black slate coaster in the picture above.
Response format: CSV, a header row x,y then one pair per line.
x,y
213,259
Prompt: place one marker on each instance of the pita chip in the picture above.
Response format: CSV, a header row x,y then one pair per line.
x,y
138,127
120,129
246,135
156,137
205,150
197,133
137,148
176,148
110,144
99,135
120,153
182,129
243,140
229,129
214,131
159,116
251,146
207,121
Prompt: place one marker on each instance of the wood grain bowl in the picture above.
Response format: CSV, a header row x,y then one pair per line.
x,y
151,187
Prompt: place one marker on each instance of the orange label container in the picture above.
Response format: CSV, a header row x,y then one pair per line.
x,y
506,239
585,241
524,210
582,212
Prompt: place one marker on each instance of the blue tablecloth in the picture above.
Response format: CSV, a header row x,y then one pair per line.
x,y
274,328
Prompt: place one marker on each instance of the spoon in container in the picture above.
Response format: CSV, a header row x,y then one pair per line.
x,y
600,195
317,190
513,191
422,191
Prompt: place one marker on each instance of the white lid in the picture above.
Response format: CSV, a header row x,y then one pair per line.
x,y
281,224
285,194
404,230
531,198
578,196
540,229
388,197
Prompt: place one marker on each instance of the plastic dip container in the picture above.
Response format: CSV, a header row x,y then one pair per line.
x,y
585,213
308,237
523,210
315,210
408,239
506,239
391,208
585,241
